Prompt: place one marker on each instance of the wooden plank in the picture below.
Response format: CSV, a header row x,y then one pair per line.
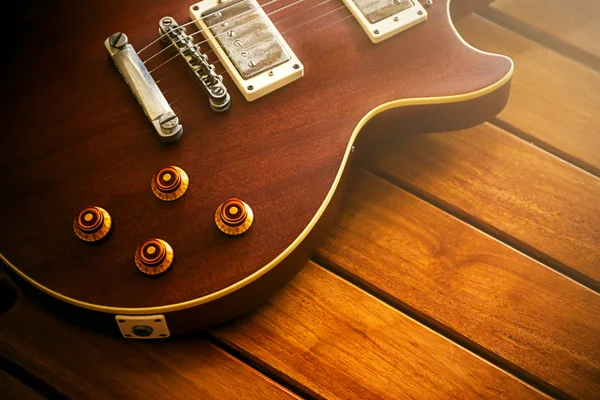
x,y
554,100
525,315
571,27
85,365
11,388
341,343
521,194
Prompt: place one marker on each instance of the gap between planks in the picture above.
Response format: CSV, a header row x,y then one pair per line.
x,y
548,148
491,230
262,367
31,381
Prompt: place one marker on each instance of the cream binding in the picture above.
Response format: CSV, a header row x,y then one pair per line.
x,y
251,278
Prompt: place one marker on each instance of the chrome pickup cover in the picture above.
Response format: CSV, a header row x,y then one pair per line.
x,y
250,47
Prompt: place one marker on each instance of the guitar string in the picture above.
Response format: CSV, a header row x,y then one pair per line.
x,y
220,34
220,22
274,23
208,27
198,19
288,30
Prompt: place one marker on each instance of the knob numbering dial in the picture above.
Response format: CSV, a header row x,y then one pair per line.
x,y
92,224
234,217
170,183
154,257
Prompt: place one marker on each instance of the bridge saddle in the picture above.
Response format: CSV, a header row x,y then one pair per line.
x,y
218,97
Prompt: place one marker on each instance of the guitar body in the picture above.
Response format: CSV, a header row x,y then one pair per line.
x,y
77,137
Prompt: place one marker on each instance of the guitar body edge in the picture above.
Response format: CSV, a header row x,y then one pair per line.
x,y
409,118
217,278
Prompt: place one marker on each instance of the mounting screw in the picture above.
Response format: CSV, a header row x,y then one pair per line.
x,y
429,2
420,12
118,40
296,66
396,19
219,91
168,121
167,21
250,87
376,32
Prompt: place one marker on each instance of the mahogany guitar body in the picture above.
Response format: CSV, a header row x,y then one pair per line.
x,y
77,137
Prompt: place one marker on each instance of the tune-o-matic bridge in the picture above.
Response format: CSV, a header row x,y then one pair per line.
x,y
250,47
212,83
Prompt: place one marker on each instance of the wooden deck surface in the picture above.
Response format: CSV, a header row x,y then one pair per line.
x,y
464,265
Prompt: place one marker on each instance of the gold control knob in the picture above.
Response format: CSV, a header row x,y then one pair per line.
x,y
92,224
154,257
170,183
234,217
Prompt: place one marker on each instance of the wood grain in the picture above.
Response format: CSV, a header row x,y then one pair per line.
x,y
13,389
520,193
554,100
341,343
81,364
573,28
515,310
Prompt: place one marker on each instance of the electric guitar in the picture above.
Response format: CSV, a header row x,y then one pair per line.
x,y
169,166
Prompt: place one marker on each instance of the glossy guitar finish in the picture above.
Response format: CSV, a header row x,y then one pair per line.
x,y
82,140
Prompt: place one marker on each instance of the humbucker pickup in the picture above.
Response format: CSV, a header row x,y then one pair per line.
x,y
384,18
250,47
